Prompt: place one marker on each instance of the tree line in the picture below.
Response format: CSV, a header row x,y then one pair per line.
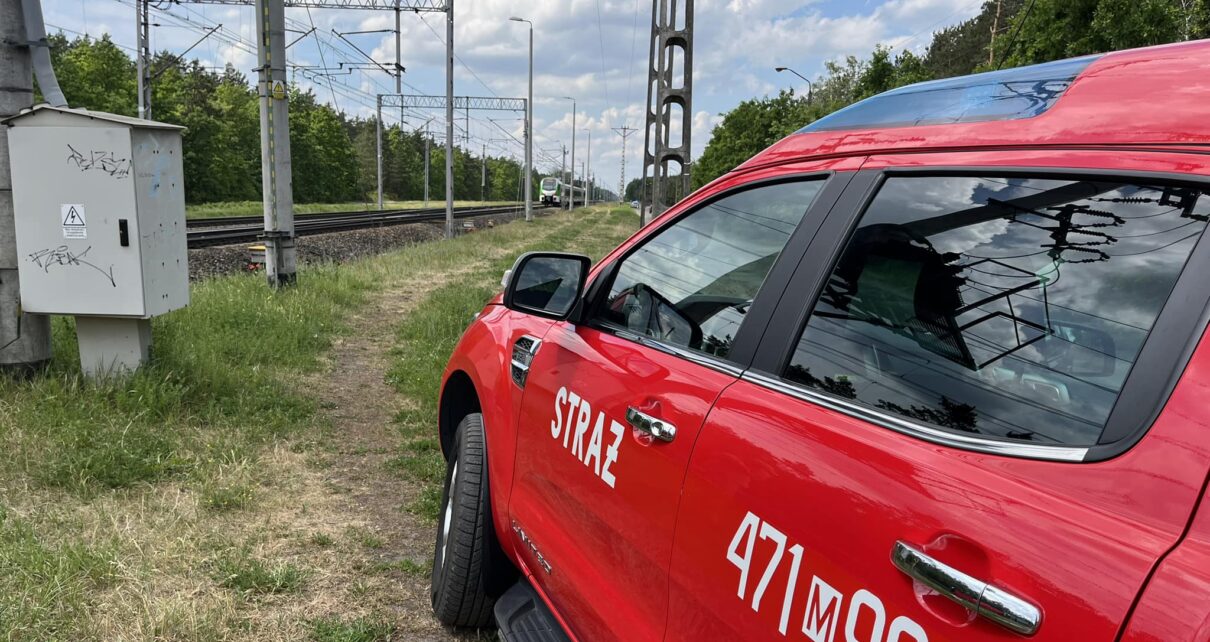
x,y
1005,33
333,155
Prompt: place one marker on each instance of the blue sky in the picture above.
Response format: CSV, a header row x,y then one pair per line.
x,y
595,50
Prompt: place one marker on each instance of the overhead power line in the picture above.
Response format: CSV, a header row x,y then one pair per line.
x,y
409,5
1012,40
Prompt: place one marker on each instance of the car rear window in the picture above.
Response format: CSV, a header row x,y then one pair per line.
x,y
1008,307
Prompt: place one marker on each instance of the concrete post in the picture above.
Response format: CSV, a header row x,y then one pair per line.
x,y
277,183
663,91
142,33
378,144
24,338
529,133
426,163
571,204
449,119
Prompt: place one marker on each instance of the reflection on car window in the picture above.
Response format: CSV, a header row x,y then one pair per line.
x,y
691,284
1005,307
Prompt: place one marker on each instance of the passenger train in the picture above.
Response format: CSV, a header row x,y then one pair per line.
x,y
554,191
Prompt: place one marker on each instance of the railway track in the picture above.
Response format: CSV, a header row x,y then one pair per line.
x,y
246,229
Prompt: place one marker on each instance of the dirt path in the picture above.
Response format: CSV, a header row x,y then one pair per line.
x,y
359,406
386,551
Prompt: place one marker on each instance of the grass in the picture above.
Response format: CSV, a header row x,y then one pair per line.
x,y
247,575
252,208
192,500
211,396
220,498
44,581
427,337
334,629
322,540
405,566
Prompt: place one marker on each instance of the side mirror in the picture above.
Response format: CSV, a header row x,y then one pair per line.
x,y
547,284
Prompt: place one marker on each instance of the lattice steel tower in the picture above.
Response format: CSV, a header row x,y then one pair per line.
x,y
669,89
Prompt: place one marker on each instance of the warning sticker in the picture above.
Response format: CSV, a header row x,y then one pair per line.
x,y
75,226
279,90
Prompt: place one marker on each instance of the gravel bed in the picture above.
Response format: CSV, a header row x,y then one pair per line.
x,y
336,247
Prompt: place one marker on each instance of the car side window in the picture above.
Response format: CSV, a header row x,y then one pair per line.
x,y
690,285
1007,307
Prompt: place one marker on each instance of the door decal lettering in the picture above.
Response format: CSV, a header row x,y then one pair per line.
x,y
573,413
864,615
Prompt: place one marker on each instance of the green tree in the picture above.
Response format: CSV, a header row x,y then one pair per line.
x,y
752,126
95,74
323,162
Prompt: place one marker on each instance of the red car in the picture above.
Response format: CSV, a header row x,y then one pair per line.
x,y
928,369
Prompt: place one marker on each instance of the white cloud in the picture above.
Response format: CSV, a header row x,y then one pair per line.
x,y
737,42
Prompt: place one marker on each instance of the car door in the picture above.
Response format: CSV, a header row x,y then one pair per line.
x,y
612,405
961,423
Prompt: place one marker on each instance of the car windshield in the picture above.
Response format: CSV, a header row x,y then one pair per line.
x,y
548,183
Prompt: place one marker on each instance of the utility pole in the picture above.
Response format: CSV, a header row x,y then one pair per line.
x,y
398,90
624,131
398,55
529,133
663,91
276,179
483,179
588,168
378,143
426,162
449,120
572,203
142,35
24,338
529,126
991,47
563,176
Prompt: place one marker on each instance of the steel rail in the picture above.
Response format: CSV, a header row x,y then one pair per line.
x,y
322,223
254,219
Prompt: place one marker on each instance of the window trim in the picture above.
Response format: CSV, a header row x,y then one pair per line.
x,y
1160,363
767,298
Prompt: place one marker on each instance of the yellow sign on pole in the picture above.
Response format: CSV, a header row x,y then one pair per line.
x,y
279,90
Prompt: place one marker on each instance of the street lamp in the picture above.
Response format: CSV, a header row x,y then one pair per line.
x,y
529,126
810,85
572,203
587,169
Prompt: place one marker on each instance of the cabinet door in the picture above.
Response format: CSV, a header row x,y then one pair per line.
x,y
73,195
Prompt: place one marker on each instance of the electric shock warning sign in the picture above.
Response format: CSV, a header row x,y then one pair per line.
x,y
75,226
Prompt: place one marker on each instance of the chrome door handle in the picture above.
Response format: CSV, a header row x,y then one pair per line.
x,y
978,596
657,428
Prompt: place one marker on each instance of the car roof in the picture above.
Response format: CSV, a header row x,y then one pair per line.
x,y
1150,96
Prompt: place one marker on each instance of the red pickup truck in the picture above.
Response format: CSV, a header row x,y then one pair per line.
x,y
930,368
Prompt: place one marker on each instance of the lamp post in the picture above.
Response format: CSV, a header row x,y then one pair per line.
x,y
572,203
810,85
587,167
529,127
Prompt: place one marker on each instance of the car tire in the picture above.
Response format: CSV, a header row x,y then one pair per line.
x,y
462,553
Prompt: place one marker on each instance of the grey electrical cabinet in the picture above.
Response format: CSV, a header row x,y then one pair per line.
x,y
99,201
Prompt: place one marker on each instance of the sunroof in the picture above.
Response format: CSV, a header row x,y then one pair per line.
x,y
1023,92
